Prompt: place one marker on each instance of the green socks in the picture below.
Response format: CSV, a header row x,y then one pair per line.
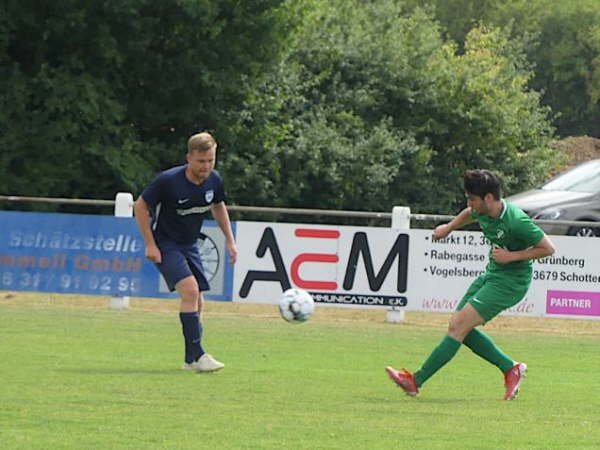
x,y
479,342
483,345
443,353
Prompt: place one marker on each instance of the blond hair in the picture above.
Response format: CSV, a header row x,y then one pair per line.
x,y
201,142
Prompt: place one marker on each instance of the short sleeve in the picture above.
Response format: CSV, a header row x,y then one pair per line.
x,y
152,194
220,195
527,231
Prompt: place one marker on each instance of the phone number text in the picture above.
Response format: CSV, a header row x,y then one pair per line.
x,y
65,282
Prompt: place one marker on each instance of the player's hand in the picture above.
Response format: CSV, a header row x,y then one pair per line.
x,y
501,255
441,231
153,254
232,252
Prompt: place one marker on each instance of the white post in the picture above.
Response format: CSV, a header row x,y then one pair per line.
x,y
400,221
123,208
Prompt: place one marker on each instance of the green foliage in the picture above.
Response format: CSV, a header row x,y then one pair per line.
x,y
98,96
567,65
492,119
65,128
326,138
562,46
371,108
343,104
63,138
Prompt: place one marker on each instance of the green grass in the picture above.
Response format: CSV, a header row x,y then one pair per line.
x,y
95,378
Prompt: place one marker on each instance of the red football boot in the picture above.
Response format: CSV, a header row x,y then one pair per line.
x,y
512,380
404,379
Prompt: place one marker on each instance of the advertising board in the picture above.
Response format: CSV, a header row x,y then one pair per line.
x,y
91,254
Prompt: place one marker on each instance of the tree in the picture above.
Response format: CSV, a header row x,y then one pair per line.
x,y
372,108
98,96
563,49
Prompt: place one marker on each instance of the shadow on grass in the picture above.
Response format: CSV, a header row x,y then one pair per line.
x,y
124,371
403,399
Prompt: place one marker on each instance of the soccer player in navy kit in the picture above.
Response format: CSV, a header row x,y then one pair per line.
x,y
169,213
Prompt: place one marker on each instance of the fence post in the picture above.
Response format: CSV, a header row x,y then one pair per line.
x,y
400,221
123,208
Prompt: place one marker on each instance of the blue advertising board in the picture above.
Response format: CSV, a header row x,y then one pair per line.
x,y
93,254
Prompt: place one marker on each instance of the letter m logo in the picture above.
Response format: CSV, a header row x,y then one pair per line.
x,y
360,247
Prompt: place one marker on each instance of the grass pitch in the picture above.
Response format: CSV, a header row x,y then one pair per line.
x,y
75,374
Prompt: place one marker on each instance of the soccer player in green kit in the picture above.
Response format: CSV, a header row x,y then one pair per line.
x,y
515,242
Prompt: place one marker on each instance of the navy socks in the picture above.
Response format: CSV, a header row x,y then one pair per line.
x,y
192,334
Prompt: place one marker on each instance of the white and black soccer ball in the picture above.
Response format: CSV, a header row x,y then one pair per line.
x,y
296,305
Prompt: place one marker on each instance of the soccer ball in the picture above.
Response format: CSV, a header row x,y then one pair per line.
x,y
296,305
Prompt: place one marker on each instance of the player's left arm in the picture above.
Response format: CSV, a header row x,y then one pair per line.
x,y
543,248
219,212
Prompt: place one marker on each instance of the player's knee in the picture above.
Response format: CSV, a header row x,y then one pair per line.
x,y
189,295
188,289
189,301
452,328
457,329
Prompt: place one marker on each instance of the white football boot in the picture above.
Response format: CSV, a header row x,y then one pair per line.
x,y
206,363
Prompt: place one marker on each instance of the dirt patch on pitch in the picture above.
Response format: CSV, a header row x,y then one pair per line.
x,y
322,314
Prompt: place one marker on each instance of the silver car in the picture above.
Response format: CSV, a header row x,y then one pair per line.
x,y
573,195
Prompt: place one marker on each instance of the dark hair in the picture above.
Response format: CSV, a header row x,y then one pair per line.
x,y
480,182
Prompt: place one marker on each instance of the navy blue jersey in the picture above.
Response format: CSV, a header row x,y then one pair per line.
x,y
179,206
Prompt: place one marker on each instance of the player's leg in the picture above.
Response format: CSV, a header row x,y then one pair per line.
x,y
181,275
484,346
191,303
480,294
187,289
193,261
206,362
494,297
461,323
178,276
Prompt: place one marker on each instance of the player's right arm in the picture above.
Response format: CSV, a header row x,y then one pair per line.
x,y
463,218
142,217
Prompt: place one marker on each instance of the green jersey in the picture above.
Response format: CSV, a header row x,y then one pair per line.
x,y
513,230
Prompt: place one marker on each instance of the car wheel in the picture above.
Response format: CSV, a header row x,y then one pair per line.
x,y
584,231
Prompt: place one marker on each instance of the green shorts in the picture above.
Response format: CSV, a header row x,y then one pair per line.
x,y
492,293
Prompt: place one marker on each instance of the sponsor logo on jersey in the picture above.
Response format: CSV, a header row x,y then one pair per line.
x,y
195,210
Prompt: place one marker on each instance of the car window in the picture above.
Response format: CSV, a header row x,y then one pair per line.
x,y
583,178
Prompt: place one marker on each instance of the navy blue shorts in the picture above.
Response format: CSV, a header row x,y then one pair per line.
x,y
180,261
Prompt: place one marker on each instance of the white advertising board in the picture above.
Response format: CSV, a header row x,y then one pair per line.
x,y
338,265
381,267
